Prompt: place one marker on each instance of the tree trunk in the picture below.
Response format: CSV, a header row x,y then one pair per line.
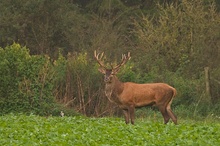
x,y
207,82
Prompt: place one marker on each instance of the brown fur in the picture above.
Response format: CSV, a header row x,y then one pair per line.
x,y
129,95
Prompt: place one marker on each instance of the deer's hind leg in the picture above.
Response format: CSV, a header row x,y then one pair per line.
x,y
164,113
170,112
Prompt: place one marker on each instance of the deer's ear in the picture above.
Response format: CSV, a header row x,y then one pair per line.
x,y
101,70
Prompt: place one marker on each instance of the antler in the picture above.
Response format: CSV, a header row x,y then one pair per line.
x,y
124,59
98,59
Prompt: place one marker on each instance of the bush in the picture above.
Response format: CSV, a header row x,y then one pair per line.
x,y
26,82
78,84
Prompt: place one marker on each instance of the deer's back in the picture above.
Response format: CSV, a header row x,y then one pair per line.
x,y
145,94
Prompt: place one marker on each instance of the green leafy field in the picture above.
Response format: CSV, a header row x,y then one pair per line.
x,y
34,130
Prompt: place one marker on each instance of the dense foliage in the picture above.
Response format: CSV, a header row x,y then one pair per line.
x,y
25,81
169,41
34,130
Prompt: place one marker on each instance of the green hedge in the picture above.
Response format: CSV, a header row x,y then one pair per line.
x,y
35,84
26,81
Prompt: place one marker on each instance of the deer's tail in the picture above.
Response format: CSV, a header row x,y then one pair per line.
x,y
174,95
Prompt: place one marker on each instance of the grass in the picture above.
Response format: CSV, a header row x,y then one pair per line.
x,y
78,130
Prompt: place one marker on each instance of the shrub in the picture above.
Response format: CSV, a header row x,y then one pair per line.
x,y
26,82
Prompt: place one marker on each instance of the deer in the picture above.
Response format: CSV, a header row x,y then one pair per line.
x,y
129,95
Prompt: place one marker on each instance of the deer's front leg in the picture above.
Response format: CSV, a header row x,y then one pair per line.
x,y
126,115
131,111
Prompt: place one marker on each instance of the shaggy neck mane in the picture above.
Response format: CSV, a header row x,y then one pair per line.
x,y
113,89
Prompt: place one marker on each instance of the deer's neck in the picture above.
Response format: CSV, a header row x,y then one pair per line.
x,y
114,89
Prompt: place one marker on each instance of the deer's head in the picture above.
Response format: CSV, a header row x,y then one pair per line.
x,y
110,73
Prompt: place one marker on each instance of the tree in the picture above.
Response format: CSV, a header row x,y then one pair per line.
x,y
40,25
183,37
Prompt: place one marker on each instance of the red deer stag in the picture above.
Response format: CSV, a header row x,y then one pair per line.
x,y
129,95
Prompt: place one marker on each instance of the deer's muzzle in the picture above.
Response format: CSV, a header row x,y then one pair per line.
x,y
107,79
